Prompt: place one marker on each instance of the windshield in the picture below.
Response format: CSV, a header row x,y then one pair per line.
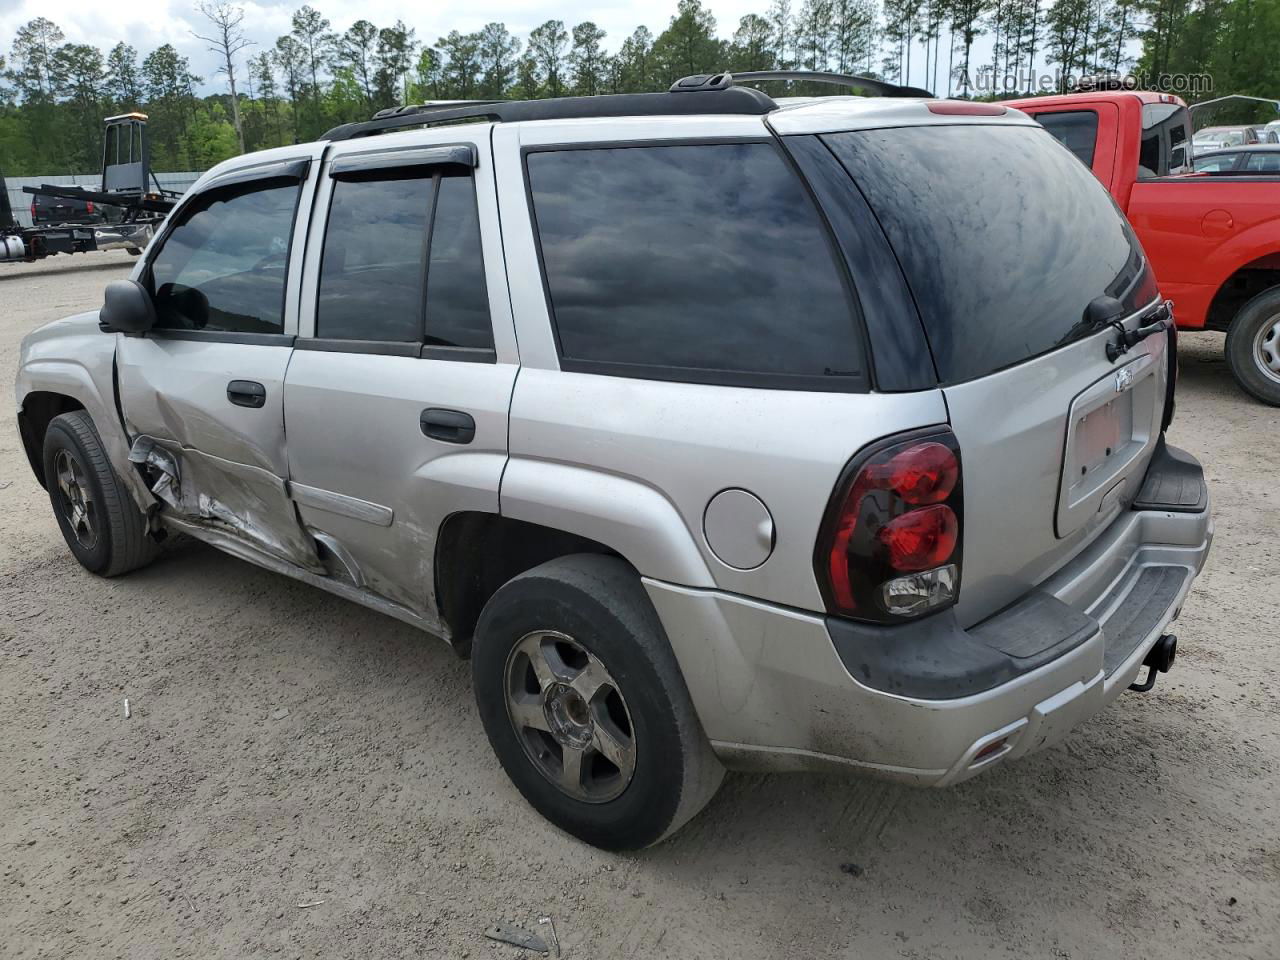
x,y
1227,138
1004,236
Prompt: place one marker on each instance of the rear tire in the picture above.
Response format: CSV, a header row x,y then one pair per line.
x,y
643,764
1253,347
99,520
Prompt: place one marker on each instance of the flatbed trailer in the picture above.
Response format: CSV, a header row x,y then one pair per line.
x,y
127,183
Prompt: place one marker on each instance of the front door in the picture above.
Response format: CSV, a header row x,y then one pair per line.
x,y
397,395
203,392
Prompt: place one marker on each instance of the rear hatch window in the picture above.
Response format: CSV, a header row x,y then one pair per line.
x,y
1004,236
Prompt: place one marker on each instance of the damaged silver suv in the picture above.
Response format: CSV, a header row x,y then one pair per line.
x,y
718,431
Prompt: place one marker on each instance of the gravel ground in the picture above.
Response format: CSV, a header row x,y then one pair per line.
x,y
301,777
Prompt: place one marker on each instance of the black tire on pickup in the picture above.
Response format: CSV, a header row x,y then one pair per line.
x,y
1253,347
643,765
99,520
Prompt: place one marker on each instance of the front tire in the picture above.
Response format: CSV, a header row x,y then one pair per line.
x,y
104,529
1253,347
585,705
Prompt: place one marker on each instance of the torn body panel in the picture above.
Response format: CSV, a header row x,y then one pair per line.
x,y
240,501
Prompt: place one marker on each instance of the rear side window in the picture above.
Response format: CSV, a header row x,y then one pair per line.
x,y
1263,162
392,271
1164,148
1223,161
704,263
1003,236
223,265
373,269
457,302
1077,129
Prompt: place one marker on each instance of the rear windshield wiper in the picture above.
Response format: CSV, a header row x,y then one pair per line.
x,y
1106,311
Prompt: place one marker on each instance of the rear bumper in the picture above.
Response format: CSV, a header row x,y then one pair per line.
x,y
777,689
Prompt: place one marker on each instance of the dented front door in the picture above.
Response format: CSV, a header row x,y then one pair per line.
x,y
203,392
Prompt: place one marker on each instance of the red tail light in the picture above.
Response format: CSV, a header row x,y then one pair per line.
x,y
89,206
890,546
33,210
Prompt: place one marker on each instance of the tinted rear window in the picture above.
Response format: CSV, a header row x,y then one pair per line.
x,y
1077,129
705,263
1004,237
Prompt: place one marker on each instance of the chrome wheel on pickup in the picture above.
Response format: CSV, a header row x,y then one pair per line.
x,y
1253,347
1266,347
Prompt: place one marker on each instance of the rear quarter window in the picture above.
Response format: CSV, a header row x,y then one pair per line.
x,y
1003,236
707,263
1076,129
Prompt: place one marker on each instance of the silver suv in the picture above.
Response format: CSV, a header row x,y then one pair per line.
x,y
719,432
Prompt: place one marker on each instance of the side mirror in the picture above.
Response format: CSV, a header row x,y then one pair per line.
x,y
127,308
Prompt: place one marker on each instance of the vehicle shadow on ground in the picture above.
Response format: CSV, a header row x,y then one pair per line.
x,y
1085,822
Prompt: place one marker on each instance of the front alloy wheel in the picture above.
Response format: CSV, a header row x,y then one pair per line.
x,y
75,498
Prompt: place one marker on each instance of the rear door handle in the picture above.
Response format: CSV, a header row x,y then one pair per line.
x,y
247,393
451,426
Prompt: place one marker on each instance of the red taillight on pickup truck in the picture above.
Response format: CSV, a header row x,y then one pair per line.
x,y
88,205
890,544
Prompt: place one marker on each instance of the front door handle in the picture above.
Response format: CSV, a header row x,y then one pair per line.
x,y
247,393
451,426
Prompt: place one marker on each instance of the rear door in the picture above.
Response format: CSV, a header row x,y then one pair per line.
x,y
207,383
1005,240
397,396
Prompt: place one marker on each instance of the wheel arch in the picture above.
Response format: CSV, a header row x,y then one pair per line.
x,y
38,409
1239,287
478,552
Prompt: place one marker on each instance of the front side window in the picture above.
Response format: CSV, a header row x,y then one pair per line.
x,y
705,263
223,266
394,272
1077,129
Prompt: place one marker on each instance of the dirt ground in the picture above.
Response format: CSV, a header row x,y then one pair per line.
x,y
370,820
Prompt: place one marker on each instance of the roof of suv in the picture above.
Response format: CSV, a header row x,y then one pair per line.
x,y
702,94
716,96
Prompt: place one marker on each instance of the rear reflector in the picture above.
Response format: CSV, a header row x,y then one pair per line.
x,y
963,108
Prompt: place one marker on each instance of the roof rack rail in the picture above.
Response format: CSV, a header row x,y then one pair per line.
x,y
736,100
707,82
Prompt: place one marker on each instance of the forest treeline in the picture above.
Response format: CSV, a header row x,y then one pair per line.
x,y
54,94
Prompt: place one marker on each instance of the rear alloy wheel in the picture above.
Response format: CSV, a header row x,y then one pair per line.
x,y
570,716
585,705
1253,347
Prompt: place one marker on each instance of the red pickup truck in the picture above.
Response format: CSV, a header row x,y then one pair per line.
x,y
1213,240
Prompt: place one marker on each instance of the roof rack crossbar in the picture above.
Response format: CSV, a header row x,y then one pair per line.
x,y
880,87
736,100
717,93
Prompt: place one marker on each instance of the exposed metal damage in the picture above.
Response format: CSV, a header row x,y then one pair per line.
x,y
242,501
